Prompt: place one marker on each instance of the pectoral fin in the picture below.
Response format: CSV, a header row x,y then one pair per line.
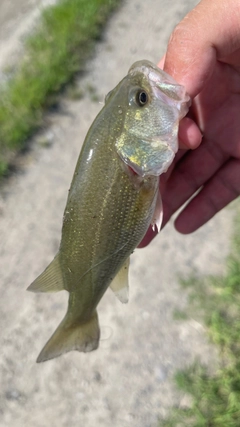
x,y
158,214
50,280
119,285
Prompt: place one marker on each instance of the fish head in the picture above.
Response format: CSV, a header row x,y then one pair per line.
x,y
151,104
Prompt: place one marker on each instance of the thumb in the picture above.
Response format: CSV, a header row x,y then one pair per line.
x,y
209,32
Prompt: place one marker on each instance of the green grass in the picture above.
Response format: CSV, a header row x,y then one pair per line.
x,y
215,398
53,55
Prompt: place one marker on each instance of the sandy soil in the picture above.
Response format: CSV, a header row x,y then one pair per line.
x,y
128,380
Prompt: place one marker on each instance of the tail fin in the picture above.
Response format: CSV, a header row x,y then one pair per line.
x,y
50,280
81,337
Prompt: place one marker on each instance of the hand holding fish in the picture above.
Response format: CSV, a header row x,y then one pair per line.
x,y
204,55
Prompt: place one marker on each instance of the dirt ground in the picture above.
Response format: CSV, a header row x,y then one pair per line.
x,y
127,382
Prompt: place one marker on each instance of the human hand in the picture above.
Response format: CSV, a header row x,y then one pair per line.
x,y
204,55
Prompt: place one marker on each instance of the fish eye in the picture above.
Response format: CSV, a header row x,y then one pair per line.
x,y
142,98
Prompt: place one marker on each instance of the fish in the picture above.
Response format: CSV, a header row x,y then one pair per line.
x,y
113,199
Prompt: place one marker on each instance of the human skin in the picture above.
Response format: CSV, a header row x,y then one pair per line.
x,y
203,54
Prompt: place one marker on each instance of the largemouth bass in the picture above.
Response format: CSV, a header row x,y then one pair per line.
x,y
113,199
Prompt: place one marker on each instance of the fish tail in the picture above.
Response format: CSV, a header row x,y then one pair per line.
x,y
67,337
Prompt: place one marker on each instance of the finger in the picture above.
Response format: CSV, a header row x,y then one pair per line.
x,y
189,134
203,36
215,195
189,59
161,62
192,171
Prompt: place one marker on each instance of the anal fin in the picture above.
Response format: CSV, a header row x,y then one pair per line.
x,y
119,285
50,280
